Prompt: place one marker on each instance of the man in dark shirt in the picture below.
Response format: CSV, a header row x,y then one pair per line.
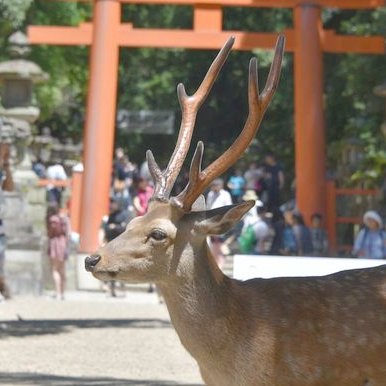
x,y
273,182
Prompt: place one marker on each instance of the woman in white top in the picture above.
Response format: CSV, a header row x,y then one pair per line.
x,y
371,240
216,198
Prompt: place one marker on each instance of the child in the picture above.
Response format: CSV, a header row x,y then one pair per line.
x,y
319,236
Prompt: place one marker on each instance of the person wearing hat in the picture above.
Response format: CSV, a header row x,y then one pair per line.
x,y
371,240
254,221
251,195
252,216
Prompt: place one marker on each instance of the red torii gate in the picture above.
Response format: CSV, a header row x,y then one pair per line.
x,y
307,40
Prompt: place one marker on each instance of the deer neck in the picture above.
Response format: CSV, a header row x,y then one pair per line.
x,y
198,301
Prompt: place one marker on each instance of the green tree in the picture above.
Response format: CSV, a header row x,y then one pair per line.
x,y
352,109
62,98
13,12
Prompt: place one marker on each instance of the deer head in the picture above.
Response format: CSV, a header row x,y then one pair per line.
x,y
166,239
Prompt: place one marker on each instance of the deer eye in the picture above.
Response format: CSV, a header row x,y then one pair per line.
x,y
158,235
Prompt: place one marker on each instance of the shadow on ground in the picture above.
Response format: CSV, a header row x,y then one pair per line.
x,y
23,328
16,379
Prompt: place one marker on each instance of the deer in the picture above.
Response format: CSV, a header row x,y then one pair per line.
x,y
314,331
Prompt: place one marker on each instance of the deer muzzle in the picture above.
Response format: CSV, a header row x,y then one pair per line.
x,y
91,261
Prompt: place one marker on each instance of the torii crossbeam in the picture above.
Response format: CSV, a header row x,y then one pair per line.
x,y
307,40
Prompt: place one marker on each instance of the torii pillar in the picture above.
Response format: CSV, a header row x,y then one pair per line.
x,y
310,137
99,131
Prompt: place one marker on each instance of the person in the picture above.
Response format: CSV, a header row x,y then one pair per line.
x,y
142,196
278,226
4,290
236,184
124,171
55,172
118,164
217,195
318,236
273,182
216,198
58,232
144,172
39,168
255,231
253,178
302,235
6,184
289,245
370,242
113,226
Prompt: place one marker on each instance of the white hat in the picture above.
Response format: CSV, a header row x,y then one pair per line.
x,y
251,195
373,215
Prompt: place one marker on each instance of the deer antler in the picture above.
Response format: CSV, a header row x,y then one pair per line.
x,y
164,180
258,103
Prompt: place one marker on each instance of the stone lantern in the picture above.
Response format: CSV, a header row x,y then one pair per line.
x,y
17,113
17,77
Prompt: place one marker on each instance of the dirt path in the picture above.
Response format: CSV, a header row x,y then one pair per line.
x,y
91,340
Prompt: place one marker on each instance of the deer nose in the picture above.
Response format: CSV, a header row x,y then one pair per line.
x,y
91,261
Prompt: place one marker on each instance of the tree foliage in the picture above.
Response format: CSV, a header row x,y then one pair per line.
x,y
62,98
148,79
352,109
14,12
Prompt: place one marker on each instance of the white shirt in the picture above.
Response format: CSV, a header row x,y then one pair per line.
x,y
56,172
218,199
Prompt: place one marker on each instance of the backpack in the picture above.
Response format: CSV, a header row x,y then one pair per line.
x,y
247,239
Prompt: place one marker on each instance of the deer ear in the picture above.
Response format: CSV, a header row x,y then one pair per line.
x,y
221,220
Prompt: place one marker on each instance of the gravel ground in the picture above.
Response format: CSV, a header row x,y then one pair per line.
x,y
89,339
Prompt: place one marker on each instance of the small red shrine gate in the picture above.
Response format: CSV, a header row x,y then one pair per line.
x,y
307,40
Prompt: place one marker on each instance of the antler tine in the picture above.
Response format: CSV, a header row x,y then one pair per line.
x,y
164,180
274,71
257,106
194,175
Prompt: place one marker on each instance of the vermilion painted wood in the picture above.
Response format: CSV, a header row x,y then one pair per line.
x,y
343,4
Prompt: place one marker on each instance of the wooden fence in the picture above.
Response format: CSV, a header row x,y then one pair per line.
x,y
333,219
